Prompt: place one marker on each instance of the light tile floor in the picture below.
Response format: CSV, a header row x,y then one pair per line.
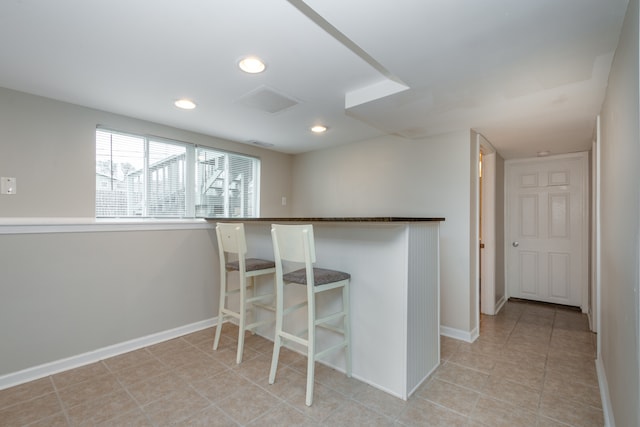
x,y
533,365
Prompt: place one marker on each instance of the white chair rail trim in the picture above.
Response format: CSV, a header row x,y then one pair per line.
x,y
36,225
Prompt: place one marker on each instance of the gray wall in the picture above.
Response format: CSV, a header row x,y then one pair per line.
x,y
394,176
49,146
620,228
67,293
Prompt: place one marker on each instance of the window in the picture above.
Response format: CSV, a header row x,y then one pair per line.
x,y
141,176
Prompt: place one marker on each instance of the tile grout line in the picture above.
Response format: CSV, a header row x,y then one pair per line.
x,y
60,402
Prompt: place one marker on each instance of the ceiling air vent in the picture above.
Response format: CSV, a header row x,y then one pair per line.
x,y
261,144
413,133
267,100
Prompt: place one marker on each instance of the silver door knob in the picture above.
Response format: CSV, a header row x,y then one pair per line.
x,y
515,244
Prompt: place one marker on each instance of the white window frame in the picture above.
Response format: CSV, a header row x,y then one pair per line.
x,y
190,167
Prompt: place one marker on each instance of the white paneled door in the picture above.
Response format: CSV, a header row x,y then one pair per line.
x,y
547,217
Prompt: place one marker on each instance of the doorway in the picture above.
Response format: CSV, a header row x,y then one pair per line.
x,y
490,230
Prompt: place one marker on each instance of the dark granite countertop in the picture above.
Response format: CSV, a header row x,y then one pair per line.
x,y
330,219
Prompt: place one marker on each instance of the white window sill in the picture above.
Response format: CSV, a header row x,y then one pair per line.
x,y
92,225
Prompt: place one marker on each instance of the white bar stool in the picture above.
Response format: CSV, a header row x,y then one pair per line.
x,y
232,247
294,245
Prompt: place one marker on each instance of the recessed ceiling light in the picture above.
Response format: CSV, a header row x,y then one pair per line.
x,y
185,104
251,65
318,129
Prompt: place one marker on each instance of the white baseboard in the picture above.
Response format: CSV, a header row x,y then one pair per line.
x,y
459,334
607,409
501,302
46,369
426,377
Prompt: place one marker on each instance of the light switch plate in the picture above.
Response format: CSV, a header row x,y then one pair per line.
x,y
8,185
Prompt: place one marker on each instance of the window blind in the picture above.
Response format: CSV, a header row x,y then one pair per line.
x,y
167,184
138,176
120,179
226,184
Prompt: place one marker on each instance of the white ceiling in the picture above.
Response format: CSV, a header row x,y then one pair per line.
x,y
530,75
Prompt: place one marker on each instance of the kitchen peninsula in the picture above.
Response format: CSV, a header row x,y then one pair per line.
x,y
395,280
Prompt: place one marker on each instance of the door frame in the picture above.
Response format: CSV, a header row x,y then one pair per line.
x,y
487,196
594,288
583,156
594,309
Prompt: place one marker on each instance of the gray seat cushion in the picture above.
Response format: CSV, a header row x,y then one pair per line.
x,y
321,276
252,264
